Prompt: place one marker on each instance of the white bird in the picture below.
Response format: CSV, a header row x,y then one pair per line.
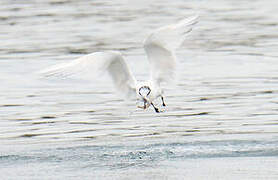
x,y
159,47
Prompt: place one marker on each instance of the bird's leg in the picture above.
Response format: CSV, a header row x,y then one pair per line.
x,y
155,108
163,103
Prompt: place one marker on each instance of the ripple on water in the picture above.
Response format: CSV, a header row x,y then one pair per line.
x,y
118,157
12,105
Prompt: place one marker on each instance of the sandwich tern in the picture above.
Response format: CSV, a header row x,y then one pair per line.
x,y
159,47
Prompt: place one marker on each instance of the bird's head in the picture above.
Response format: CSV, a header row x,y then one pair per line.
x,y
144,91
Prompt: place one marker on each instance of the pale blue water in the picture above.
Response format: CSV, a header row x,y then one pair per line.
x,y
223,107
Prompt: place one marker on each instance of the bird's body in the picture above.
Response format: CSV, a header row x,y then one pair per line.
x,y
159,47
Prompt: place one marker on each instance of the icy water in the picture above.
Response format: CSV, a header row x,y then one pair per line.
x,y
221,119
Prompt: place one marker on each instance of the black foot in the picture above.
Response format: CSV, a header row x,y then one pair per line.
x,y
156,110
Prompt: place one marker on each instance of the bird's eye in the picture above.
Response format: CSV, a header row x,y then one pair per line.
x,y
144,91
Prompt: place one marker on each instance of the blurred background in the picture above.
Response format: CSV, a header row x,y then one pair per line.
x,y
222,107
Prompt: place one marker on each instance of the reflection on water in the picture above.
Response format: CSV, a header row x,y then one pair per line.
x,y
224,103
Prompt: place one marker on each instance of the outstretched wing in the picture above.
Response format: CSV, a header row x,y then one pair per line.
x,y
94,64
160,46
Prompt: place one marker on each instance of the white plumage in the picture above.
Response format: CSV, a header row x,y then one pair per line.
x,y
159,47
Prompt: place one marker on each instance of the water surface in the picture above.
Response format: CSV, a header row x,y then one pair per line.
x,y
223,106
